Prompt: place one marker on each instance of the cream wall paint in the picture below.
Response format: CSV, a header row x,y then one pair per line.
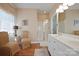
x,y
31,16
70,15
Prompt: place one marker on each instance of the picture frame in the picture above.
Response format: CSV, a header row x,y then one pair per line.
x,y
24,22
76,22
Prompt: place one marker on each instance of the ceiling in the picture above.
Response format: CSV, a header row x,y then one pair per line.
x,y
40,6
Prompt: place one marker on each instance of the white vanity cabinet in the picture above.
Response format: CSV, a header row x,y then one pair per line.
x,y
57,48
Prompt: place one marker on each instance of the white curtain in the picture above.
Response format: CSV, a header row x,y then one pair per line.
x,y
6,22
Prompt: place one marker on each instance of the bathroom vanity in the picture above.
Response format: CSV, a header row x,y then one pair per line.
x,y
63,45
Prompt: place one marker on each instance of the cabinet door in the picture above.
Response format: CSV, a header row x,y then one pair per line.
x,y
62,49
71,52
51,44
58,49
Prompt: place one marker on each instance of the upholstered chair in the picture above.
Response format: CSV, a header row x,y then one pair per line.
x,y
4,42
26,42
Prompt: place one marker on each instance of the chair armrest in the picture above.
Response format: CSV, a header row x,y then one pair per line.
x,y
14,47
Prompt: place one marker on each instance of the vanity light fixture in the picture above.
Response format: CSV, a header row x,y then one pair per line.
x,y
69,2
64,6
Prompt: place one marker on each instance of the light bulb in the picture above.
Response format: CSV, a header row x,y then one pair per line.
x,y
70,4
65,7
60,7
57,11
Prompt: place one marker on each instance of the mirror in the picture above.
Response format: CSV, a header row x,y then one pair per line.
x,y
68,21
54,24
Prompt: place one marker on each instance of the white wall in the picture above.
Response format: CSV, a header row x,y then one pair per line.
x,y
70,16
31,16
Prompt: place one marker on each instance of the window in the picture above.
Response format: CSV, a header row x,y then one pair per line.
x,y
6,22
